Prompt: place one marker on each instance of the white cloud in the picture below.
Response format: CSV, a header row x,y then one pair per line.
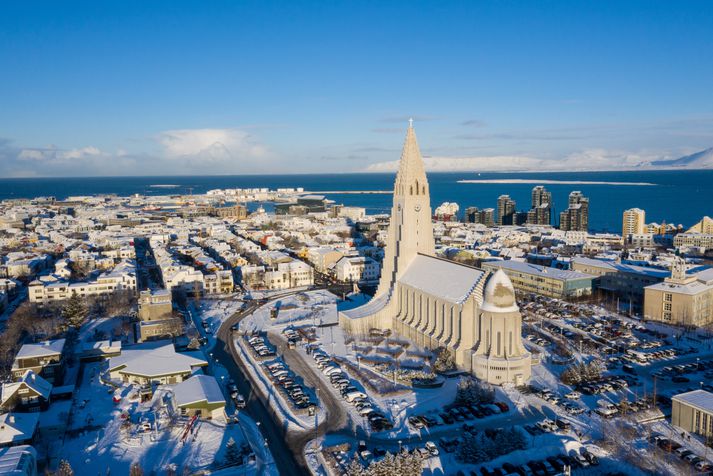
x,y
585,160
210,144
52,153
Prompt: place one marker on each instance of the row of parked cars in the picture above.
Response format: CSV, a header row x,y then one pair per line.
x,y
685,454
261,347
676,373
607,384
542,467
566,403
458,414
284,379
349,392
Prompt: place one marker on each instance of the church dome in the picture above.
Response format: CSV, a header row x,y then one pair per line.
x,y
499,295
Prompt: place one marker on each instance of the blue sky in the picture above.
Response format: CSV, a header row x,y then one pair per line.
x,y
139,88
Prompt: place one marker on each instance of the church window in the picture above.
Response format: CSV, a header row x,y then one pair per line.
x,y
498,344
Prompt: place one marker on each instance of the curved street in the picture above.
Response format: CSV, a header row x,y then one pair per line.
x,y
287,448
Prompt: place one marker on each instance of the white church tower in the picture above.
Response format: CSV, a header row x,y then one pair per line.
x,y
436,302
410,229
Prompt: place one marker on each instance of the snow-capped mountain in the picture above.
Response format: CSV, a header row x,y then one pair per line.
x,y
699,160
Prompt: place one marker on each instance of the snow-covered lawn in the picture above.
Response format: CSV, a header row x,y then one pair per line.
x,y
111,436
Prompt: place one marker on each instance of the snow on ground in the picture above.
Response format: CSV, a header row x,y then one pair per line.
x,y
215,311
317,308
103,440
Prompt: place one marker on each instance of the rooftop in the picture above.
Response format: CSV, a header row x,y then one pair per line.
x,y
441,278
42,349
523,267
152,361
198,388
698,398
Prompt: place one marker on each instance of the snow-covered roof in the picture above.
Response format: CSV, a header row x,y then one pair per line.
x,y
46,348
441,278
199,388
528,268
149,361
32,380
16,427
697,398
13,459
621,267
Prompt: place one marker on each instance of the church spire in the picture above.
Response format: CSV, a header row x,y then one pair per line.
x,y
411,176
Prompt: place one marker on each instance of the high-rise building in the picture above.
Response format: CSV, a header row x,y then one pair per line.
x,y
633,222
506,210
576,217
471,214
487,216
483,217
541,211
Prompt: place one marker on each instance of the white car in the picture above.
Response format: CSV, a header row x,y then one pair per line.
x,y
350,397
574,395
432,448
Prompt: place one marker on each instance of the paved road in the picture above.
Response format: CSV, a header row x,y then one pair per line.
x,y
336,416
288,459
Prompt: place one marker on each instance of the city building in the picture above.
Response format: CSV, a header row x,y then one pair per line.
x,y
625,282
323,257
29,394
121,278
552,282
541,211
303,205
45,359
155,304
156,316
199,396
486,216
436,302
694,240
154,363
357,269
705,226
576,217
681,299
18,428
633,222
220,282
506,210
693,413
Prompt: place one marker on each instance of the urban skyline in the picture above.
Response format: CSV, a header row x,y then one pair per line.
x,y
224,250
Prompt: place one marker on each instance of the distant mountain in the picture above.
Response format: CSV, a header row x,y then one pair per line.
x,y
699,160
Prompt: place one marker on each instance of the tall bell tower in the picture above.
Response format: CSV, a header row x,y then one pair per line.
x,y
410,229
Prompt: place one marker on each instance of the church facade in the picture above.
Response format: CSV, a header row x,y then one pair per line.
x,y
436,302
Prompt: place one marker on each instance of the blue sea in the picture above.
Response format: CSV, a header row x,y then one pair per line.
x,y
680,196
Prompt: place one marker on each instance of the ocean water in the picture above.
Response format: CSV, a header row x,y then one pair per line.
x,y
679,196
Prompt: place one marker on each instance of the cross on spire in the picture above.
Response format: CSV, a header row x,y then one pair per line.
x,y
410,122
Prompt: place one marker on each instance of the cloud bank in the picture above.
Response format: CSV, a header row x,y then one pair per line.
x,y
174,152
586,160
